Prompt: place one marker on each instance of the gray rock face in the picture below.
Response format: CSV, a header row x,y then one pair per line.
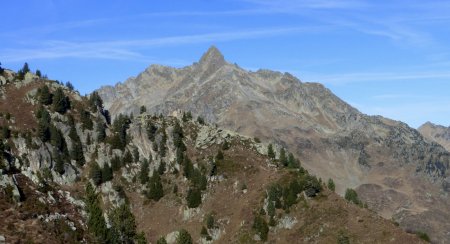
x,y
333,139
436,133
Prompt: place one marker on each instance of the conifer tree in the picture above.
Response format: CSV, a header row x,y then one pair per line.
x,y
76,152
60,102
96,174
143,109
107,173
194,197
331,185
184,237
155,187
123,225
45,96
283,158
59,163
101,132
143,174
270,152
96,222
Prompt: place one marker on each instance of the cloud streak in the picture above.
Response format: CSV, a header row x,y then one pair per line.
x,y
129,49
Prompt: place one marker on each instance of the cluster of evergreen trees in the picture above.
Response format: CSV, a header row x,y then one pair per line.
x,y
283,196
120,126
286,160
123,223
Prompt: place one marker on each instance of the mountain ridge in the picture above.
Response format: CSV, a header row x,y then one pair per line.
x,y
334,139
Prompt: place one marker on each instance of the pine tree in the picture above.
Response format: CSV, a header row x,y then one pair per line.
x,y
38,73
178,135
184,237
44,131
270,152
140,238
194,198
123,225
116,163
59,163
107,173
331,185
188,168
61,102
96,222
45,96
143,109
219,155
155,187
283,159
96,174
70,86
101,132
261,227
143,174
77,148
135,154
161,168
161,240
86,120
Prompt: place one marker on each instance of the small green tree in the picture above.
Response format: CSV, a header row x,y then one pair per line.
x,y
200,120
184,237
95,174
143,109
194,197
210,221
96,222
86,120
161,240
70,86
101,131
59,163
260,226
352,196
331,185
38,73
155,191
61,102
107,173
270,152
123,225
283,158
45,96
219,155
143,174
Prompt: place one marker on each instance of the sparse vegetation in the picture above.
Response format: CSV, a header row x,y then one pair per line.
x,y
331,186
352,196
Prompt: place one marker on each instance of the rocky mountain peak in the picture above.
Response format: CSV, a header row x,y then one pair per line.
x,y
213,57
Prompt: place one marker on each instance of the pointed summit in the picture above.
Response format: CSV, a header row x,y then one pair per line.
x,y
213,57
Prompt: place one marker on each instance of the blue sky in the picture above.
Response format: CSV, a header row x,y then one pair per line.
x,y
384,57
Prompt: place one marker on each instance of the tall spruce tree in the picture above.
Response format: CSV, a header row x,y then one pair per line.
x,y
61,102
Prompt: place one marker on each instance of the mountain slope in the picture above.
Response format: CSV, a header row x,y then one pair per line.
x,y
437,133
392,166
64,167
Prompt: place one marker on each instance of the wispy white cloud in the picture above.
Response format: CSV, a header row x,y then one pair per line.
x,y
347,78
129,49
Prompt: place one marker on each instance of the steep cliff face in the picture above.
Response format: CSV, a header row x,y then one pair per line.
x,y
333,139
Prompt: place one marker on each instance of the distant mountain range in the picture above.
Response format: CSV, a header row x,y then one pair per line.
x,y
397,171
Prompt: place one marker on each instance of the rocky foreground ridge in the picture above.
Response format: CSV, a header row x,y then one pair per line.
x,y
69,174
398,172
